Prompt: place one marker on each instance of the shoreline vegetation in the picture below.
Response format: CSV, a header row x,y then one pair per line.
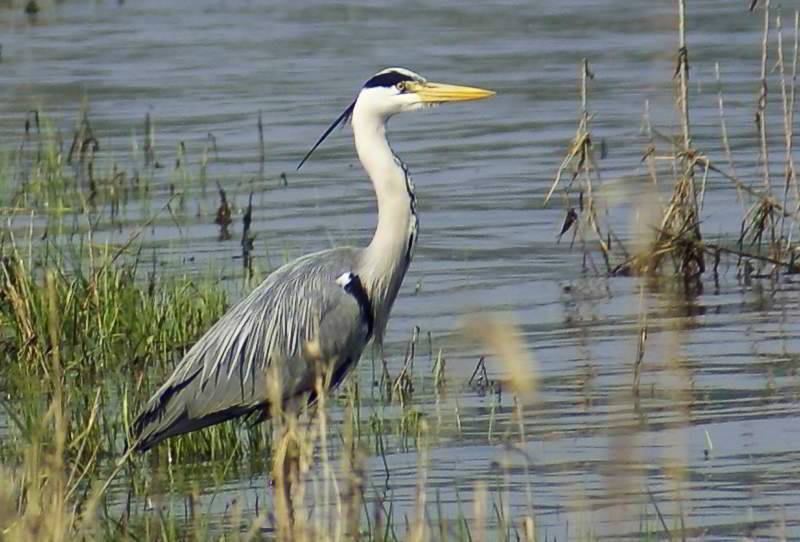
x,y
88,330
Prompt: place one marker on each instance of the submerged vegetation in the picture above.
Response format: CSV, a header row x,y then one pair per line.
x,y
90,327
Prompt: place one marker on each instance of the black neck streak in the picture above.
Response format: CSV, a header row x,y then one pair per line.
x,y
412,202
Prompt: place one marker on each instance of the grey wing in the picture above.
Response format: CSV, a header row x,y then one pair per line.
x,y
297,317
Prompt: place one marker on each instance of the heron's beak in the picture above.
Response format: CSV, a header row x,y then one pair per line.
x,y
440,92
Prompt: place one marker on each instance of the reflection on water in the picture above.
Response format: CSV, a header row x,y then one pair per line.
x,y
719,386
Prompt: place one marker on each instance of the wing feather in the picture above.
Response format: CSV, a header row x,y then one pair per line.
x,y
224,374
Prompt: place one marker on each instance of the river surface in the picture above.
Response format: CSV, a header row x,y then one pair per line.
x,y
713,436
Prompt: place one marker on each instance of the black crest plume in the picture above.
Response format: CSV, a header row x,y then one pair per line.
x,y
343,118
386,78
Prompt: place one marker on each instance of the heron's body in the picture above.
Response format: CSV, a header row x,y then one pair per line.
x,y
314,315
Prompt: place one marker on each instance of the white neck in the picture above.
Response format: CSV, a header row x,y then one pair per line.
x,y
386,258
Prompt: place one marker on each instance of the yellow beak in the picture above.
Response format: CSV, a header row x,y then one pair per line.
x,y
440,92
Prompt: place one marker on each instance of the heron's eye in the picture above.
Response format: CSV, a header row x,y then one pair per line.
x,y
401,86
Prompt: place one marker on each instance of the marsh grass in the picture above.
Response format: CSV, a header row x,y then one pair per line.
x,y
676,246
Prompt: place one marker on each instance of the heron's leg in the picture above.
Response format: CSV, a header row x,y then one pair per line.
x,y
285,454
286,474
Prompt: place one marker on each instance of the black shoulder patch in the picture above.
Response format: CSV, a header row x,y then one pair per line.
x,y
388,79
355,288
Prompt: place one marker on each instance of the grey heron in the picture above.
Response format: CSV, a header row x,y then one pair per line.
x,y
316,312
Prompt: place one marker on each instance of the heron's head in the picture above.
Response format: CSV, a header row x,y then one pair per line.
x,y
398,90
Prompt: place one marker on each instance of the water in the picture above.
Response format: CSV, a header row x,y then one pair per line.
x,y
722,363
